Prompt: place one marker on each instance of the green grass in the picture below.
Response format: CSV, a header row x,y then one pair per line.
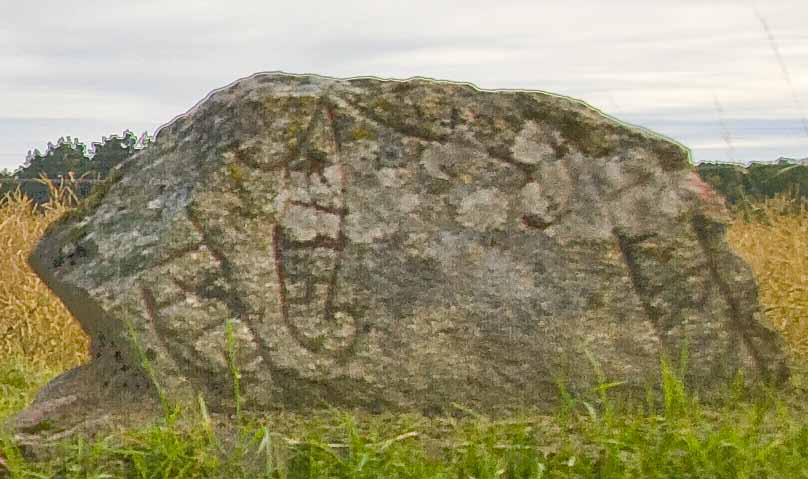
x,y
754,433
19,381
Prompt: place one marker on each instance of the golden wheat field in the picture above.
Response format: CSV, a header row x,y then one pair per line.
x,y
36,327
773,238
34,324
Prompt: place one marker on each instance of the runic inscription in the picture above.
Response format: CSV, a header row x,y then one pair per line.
x,y
308,270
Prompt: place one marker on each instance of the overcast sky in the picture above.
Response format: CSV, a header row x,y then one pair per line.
x,y
729,79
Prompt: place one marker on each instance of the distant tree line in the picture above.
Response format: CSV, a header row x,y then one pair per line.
x,y
71,157
759,181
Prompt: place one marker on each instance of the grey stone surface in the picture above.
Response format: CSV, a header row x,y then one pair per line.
x,y
398,245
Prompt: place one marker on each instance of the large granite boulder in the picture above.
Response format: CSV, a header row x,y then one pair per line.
x,y
396,245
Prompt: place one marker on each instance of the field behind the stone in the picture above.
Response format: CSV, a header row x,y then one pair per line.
x,y
753,433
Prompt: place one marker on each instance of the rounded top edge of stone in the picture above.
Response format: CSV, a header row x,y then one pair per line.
x,y
313,82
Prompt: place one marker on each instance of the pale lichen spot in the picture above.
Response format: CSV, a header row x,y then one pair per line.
x,y
333,175
305,223
360,229
432,159
483,210
408,202
155,204
531,146
534,201
392,177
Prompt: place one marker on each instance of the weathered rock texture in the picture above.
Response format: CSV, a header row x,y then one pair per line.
x,y
389,244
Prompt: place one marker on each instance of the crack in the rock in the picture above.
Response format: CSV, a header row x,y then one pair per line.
x,y
626,245
741,322
161,332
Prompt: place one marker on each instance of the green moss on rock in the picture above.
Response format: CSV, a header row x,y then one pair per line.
x,y
236,174
360,133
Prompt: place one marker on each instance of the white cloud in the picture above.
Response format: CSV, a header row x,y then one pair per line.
x,y
764,142
85,104
154,59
